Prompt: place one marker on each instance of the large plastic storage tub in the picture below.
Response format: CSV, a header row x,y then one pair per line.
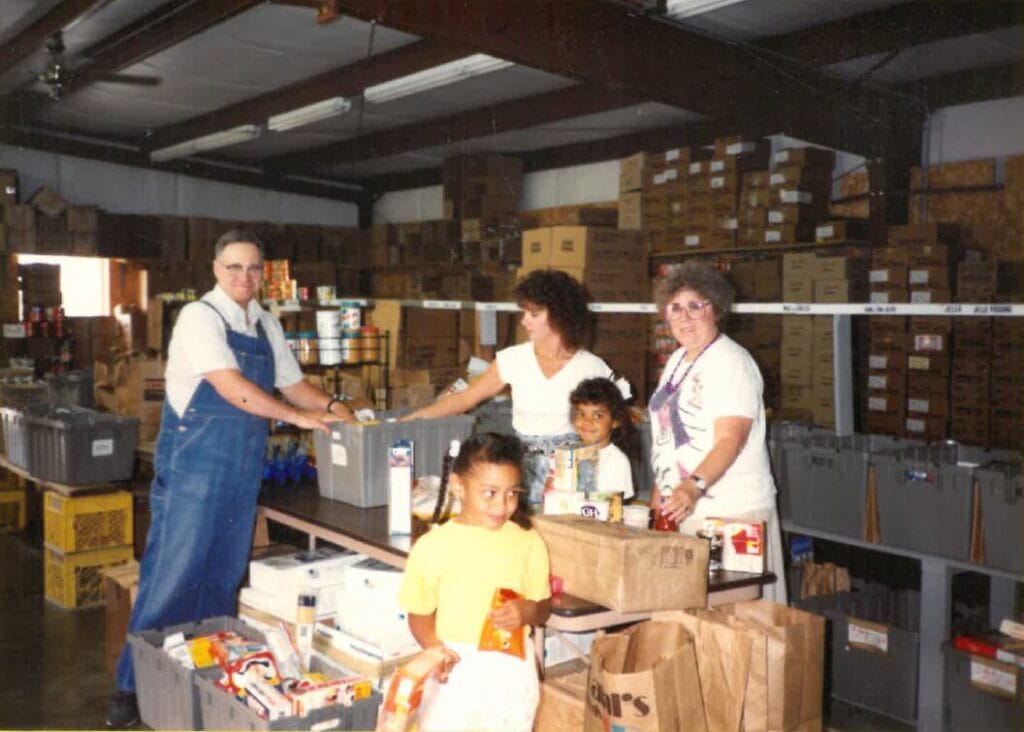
x,y
352,462
167,694
17,434
75,446
784,438
924,497
494,415
221,710
968,707
1002,514
873,652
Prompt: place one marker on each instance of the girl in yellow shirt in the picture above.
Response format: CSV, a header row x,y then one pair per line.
x,y
450,580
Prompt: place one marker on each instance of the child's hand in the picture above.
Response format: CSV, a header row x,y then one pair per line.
x,y
512,615
450,659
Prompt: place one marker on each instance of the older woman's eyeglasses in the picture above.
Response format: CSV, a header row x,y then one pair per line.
x,y
236,270
692,309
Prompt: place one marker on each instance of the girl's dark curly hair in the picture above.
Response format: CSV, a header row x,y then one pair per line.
x,y
566,301
495,449
603,392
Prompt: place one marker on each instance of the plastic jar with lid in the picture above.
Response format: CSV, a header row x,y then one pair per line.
x,y
307,348
369,343
350,350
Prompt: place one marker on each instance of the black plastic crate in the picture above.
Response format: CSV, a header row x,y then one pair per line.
x,y
73,445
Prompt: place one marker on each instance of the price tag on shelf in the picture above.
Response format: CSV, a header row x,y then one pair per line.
x,y
442,304
872,637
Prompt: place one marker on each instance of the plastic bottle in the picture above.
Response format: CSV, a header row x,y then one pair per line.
x,y
446,471
305,617
662,521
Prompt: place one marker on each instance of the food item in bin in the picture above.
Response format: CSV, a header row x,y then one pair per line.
x,y
260,665
495,639
400,709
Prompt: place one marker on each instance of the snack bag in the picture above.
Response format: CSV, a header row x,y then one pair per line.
x,y
399,711
506,641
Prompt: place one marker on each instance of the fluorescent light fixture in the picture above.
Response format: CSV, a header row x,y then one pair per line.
x,y
688,8
235,135
309,114
434,77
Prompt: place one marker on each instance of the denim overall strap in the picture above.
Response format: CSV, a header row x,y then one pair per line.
x,y
207,471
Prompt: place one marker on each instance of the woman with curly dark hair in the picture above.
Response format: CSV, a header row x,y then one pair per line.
x,y
542,372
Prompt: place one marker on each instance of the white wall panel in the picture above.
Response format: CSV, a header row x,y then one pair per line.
x,y
980,130
124,189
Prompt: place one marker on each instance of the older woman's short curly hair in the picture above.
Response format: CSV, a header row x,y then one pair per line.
x,y
698,275
564,298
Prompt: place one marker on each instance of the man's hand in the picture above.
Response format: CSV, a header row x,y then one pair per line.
x,y
306,420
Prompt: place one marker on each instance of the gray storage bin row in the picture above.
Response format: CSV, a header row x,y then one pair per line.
x,y
352,462
968,707
924,491
863,675
171,696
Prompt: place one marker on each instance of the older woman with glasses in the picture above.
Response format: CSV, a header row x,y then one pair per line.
x,y
707,418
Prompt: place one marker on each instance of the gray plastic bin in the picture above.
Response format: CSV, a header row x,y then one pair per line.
x,y
167,695
924,498
221,710
352,463
786,442
1002,514
75,446
494,415
883,682
17,433
970,708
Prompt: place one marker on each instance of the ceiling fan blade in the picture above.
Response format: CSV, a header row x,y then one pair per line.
x,y
133,79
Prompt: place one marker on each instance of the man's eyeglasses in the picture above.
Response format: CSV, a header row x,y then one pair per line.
x,y
692,309
236,270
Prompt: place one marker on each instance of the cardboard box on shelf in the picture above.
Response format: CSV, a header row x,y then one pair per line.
x,y
888,294
842,230
930,295
926,427
814,157
138,388
839,268
892,275
794,213
801,177
929,277
916,235
834,291
419,337
885,424
631,172
931,363
887,380
797,290
630,212
625,569
938,255
787,233
890,256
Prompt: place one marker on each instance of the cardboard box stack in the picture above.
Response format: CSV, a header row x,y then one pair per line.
x,y
754,206
634,212
658,206
970,396
885,404
481,193
621,340
928,378
611,263
713,191
419,338
800,186
1007,384
759,280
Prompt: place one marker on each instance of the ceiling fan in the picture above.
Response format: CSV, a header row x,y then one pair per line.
x,y
57,75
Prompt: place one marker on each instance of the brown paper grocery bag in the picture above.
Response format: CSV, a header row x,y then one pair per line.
x,y
645,679
788,669
723,661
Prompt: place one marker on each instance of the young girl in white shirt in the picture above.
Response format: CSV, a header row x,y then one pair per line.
x,y
601,417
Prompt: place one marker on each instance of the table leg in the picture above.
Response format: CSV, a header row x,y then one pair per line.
x,y
936,589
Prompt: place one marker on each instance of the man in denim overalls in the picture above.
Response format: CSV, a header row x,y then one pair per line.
x,y
226,357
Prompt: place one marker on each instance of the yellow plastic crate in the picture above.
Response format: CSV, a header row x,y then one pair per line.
x,y
12,510
82,523
76,580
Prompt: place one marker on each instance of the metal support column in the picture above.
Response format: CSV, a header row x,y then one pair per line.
x,y
842,373
936,591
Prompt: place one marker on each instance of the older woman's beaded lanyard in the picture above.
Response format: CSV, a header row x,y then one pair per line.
x,y
673,388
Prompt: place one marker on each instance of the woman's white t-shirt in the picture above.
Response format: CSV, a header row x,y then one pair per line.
x,y
724,382
540,406
613,471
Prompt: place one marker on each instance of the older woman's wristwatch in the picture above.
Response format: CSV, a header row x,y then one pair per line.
x,y
700,484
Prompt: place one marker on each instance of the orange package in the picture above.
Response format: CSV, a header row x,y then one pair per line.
x,y
495,639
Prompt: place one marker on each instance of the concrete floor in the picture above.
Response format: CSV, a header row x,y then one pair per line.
x,y
52,673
